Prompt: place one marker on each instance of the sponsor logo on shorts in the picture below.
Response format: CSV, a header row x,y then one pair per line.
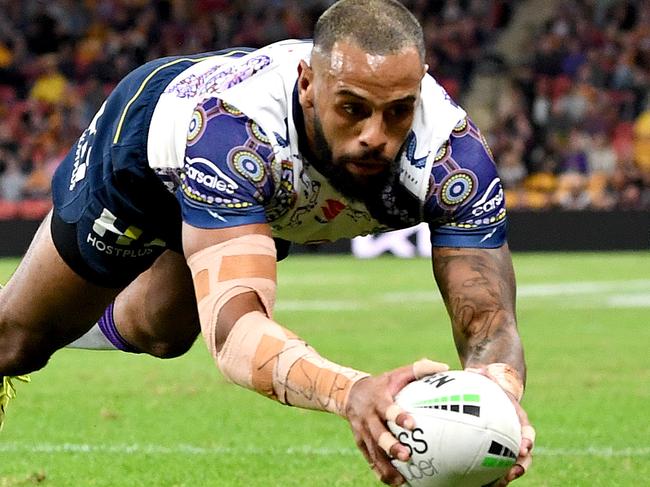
x,y
83,150
122,242
109,249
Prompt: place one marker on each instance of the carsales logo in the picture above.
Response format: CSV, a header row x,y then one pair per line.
x,y
485,205
205,173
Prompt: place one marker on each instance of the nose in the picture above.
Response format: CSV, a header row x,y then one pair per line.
x,y
373,134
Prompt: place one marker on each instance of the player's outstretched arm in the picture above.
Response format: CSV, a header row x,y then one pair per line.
x,y
478,287
234,275
233,271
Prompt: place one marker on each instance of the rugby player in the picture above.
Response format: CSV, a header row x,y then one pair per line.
x,y
171,210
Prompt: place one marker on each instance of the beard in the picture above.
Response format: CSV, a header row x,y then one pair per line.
x,y
365,189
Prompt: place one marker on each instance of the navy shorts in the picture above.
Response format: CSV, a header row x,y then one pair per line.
x,y
112,215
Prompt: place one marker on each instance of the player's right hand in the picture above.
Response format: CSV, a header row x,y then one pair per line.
x,y
525,455
371,404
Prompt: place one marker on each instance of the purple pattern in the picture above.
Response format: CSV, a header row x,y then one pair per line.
x,y
218,78
107,325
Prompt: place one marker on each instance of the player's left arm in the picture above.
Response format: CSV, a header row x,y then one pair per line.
x,y
473,268
478,287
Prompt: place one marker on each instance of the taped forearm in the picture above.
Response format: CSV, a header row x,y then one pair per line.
x,y
258,353
261,355
505,375
508,378
226,270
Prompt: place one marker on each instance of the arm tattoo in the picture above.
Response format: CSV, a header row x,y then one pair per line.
x,y
478,287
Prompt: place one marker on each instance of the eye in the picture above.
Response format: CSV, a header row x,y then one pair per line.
x,y
355,110
400,111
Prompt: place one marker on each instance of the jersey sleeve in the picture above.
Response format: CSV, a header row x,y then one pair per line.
x,y
465,206
226,177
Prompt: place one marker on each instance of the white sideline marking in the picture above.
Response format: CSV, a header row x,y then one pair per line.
x,y
634,293
618,293
629,301
316,305
582,287
16,447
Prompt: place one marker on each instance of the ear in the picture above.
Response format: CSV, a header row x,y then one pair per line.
x,y
305,84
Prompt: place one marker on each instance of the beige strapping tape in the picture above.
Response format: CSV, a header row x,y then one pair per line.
x,y
386,441
508,378
424,367
393,411
528,432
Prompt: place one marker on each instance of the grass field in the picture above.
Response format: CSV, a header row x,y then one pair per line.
x,y
113,419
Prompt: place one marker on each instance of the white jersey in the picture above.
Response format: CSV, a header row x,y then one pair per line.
x,y
225,132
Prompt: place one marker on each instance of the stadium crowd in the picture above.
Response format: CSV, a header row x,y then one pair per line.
x,y
573,130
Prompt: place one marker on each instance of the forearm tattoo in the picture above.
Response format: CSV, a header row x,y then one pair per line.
x,y
478,287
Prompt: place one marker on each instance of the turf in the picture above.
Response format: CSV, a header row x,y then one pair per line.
x,y
113,419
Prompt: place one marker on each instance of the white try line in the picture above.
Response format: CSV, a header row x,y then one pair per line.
x,y
634,293
306,450
551,290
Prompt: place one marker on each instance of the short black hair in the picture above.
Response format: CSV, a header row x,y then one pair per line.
x,y
377,26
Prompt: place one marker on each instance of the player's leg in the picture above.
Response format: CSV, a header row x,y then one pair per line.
x,y
44,306
156,313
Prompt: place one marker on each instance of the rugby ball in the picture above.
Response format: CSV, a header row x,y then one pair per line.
x,y
466,434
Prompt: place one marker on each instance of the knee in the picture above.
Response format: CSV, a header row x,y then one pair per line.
x,y
171,348
170,335
21,351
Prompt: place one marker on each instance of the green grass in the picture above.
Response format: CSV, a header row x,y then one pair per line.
x,y
113,419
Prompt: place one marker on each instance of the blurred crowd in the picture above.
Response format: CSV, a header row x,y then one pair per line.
x,y
572,130
569,132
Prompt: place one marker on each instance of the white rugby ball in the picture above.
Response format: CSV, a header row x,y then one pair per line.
x,y
466,434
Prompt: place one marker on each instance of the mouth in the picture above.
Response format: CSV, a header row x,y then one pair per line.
x,y
365,168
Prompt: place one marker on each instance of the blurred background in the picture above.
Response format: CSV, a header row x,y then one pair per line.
x,y
560,89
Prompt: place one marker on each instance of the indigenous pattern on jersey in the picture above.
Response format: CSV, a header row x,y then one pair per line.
x,y
465,202
232,156
226,183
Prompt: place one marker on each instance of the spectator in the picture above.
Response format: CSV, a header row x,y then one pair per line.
x,y
642,142
13,178
50,85
590,72
589,69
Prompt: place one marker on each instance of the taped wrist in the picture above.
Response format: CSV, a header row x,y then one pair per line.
x,y
225,270
508,378
261,355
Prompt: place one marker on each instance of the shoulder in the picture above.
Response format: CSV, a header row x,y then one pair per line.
x,y
463,169
232,141
435,118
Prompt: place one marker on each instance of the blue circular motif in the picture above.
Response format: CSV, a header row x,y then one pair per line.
x,y
196,125
228,108
461,128
457,188
258,133
249,165
442,152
